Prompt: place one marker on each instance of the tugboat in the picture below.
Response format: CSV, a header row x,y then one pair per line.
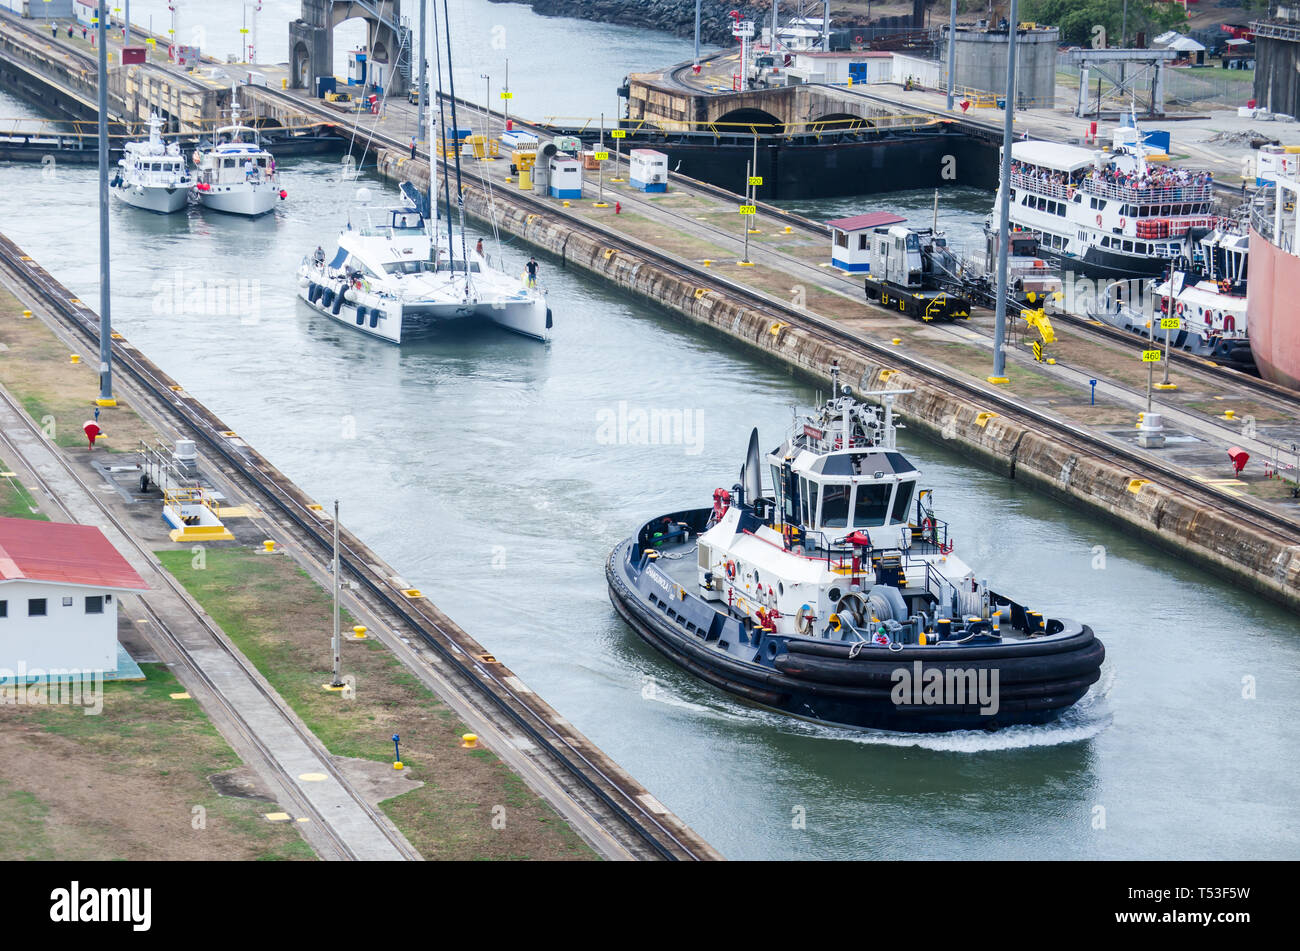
x,y
837,598
152,174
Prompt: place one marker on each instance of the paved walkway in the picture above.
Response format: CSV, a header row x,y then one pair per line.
x,y
301,757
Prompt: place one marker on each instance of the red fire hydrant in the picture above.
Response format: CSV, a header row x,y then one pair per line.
x,y
618,207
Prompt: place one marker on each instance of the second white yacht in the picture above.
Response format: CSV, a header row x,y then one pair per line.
x,y
153,174
236,175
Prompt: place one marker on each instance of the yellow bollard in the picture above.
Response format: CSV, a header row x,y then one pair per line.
x,y
284,83
1230,413
76,358
268,545
469,741
566,203
398,765
896,341
27,315
359,631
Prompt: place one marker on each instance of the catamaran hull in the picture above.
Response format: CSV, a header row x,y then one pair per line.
x,y
818,680
252,201
164,201
392,320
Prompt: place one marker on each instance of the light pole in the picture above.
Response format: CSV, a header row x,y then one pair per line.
x,y
1004,207
336,644
697,35
105,307
952,47
487,101
505,99
422,90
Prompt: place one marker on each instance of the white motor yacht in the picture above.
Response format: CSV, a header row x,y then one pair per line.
x,y
235,174
153,174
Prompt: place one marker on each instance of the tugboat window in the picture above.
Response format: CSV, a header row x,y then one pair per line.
x,y
871,504
902,503
812,504
835,506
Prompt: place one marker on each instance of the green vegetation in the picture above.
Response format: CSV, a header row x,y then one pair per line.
x,y
129,783
470,806
15,500
1078,19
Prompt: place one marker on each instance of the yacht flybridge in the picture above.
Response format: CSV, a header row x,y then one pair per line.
x,y
386,278
235,174
837,596
153,174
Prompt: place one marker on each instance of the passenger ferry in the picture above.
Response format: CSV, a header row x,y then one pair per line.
x,y
837,596
153,174
1107,215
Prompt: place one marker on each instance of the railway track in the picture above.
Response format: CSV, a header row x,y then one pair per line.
x,y
194,671
614,801
1281,397
1097,445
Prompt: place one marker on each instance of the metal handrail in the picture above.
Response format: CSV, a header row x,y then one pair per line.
x,y
1051,189
1179,193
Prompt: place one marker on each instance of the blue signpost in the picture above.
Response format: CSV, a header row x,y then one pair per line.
x,y
1093,384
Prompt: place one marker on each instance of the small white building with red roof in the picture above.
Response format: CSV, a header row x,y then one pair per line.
x,y
59,589
850,239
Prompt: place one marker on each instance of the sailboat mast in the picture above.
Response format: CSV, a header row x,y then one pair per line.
x,y
460,200
442,121
432,195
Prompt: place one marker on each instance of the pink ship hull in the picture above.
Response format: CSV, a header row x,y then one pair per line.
x,y
1273,305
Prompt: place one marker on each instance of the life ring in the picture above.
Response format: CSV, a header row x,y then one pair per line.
x,y
730,568
857,39
1179,308
804,619
1099,221
1229,322
1121,222
1225,286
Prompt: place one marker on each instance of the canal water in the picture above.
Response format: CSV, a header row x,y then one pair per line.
x,y
492,473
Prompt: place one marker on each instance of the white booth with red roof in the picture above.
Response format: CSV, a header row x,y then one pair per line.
x,y
851,239
59,589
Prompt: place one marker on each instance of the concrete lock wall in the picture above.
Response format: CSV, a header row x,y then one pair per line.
x,y
1047,460
981,63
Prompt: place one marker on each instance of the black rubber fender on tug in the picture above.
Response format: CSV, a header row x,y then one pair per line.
x,y
877,667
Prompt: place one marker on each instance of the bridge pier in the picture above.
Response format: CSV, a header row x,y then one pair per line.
x,y
388,41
